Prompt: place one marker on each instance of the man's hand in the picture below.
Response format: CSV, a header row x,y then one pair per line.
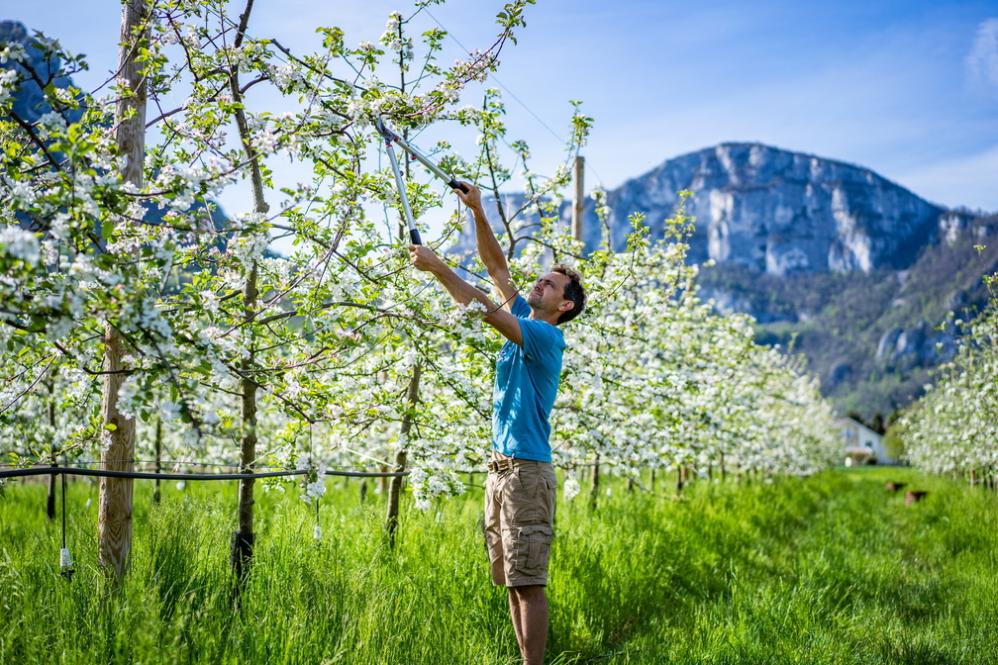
x,y
473,198
423,258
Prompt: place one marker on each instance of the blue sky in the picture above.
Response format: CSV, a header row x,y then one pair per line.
x,y
909,89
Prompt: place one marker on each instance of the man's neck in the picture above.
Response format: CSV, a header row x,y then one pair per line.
x,y
540,316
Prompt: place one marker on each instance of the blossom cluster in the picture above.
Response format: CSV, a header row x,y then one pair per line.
x,y
953,428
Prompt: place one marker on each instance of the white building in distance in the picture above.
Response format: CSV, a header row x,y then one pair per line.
x,y
862,445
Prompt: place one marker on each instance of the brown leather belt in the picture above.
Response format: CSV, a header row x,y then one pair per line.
x,y
501,464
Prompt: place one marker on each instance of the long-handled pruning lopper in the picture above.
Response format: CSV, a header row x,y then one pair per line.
x,y
391,137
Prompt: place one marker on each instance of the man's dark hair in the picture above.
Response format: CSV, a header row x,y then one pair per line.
x,y
573,291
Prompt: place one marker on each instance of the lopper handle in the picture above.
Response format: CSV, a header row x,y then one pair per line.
x,y
454,184
414,237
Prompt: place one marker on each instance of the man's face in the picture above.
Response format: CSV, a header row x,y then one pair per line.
x,y
548,293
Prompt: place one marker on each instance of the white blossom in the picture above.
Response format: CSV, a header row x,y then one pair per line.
x,y
20,244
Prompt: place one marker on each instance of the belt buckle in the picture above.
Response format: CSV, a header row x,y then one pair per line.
x,y
501,464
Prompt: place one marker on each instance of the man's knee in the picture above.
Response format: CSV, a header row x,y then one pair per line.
x,y
528,593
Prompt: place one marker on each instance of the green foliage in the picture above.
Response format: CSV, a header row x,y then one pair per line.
x,y
894,441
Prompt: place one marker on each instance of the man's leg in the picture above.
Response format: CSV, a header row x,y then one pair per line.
x,y
494,545
533,606
515,613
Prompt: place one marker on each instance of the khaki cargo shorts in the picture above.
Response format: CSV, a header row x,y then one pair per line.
x,y
519,520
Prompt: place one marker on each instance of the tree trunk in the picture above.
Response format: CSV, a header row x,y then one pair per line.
x,y
50,499
395,489
114,515
158,442
243,540
594,490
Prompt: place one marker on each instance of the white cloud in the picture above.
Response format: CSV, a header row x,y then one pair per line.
x,y
982,61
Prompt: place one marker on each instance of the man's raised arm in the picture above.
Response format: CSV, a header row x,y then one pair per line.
x,y
488,247
423,258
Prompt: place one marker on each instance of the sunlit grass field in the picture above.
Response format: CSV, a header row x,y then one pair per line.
x,y
831,569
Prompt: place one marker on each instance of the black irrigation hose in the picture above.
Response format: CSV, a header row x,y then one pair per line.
x,y
53,471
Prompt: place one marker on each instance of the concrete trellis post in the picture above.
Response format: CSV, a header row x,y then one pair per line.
x,y
579,196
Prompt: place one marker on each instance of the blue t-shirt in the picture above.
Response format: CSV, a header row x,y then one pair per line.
x,y
526,384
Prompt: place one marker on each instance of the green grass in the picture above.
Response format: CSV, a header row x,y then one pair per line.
x,y
832,569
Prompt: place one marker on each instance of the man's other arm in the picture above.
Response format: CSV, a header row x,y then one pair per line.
x,y
488,246
424,259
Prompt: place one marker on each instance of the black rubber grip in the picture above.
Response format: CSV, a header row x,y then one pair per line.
x,y
454,184
414,237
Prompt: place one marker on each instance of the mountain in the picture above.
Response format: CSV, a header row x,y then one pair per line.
x,y
29,102
831,259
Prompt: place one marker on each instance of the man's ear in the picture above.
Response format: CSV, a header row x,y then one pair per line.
x,y
566,306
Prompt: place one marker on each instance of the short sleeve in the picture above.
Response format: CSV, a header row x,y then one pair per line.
x,y
520,308
542,343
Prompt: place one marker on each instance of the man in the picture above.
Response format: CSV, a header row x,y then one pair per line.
x,y
520,491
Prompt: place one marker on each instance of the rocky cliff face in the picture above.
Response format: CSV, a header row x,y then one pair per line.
x,y
774,211
781,212
872,338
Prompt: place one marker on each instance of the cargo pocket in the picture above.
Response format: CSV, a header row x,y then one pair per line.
x,y
550,497
533,545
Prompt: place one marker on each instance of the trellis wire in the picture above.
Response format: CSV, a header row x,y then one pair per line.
x,y
106,473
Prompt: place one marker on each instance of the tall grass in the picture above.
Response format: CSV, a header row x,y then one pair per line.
x,y
831,569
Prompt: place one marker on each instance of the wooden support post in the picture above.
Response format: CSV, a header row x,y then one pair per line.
x,y
114,513
579,196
